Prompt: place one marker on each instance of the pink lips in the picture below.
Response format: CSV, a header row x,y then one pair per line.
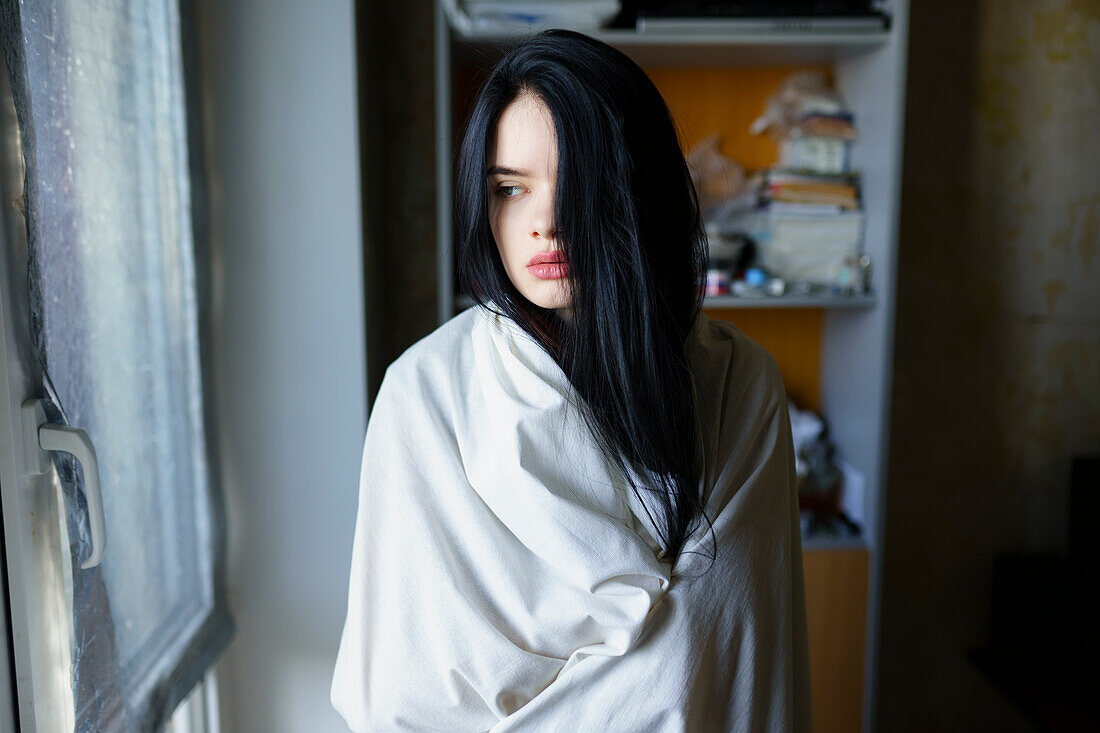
x,y
548,265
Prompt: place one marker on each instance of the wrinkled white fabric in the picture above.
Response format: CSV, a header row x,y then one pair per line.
x,y
504,578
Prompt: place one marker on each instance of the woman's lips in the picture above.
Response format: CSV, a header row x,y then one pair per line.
x,y
547,256
548,265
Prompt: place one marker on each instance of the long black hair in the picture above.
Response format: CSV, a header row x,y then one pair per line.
x,y
627,218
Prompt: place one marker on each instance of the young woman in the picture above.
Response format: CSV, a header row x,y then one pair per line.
x,y
577,506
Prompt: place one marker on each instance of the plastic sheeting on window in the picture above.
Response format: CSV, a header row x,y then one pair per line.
x,y
101,106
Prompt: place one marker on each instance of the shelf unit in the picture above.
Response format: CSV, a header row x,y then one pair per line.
x,y
835,353
712,302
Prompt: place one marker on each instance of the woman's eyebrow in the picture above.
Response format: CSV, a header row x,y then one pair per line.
x,y
501,170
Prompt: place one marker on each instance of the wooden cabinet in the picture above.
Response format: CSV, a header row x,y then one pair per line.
x,y
836,614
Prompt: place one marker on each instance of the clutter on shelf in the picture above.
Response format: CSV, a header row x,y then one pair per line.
x,y
830,491
761,16
808,119
800,222
509,16
719,180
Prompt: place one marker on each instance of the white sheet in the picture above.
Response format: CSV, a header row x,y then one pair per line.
x,y
503,579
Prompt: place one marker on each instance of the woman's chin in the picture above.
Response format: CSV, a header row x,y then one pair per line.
x,y
546,294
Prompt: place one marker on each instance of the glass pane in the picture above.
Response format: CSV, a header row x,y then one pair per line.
x,y
99,89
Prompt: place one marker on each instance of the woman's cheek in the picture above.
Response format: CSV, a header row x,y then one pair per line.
x,y
507,242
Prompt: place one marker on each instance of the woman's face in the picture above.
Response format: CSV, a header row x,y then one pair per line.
x,y
522,169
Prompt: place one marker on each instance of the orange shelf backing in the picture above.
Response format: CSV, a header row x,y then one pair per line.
x,y
793,338
726,101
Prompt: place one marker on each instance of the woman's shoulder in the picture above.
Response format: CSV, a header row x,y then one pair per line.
x,y
437,357
722,351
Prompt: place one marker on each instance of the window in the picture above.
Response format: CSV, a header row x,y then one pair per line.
x,y
100,321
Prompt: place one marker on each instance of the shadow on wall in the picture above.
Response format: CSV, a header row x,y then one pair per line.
x,y
997,344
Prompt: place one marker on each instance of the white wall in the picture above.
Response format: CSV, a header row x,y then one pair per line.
x,y
279,94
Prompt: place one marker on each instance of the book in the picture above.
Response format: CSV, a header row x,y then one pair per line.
x,y
811,188
816,153
844,229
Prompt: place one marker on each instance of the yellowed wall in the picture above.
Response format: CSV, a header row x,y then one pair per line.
x,y
997,356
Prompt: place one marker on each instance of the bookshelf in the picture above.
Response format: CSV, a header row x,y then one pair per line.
x,y
835,353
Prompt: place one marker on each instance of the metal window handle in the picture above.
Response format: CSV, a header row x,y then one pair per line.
x,y
47,437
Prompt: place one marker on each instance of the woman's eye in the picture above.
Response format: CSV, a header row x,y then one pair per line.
x,y
501,191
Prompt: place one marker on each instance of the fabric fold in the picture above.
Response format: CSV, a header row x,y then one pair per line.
x,y
504,578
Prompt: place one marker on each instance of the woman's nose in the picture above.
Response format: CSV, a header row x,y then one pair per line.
x,y
542,228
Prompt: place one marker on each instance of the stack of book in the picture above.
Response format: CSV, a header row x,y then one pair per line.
x,y
811,188
812,225
805,213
